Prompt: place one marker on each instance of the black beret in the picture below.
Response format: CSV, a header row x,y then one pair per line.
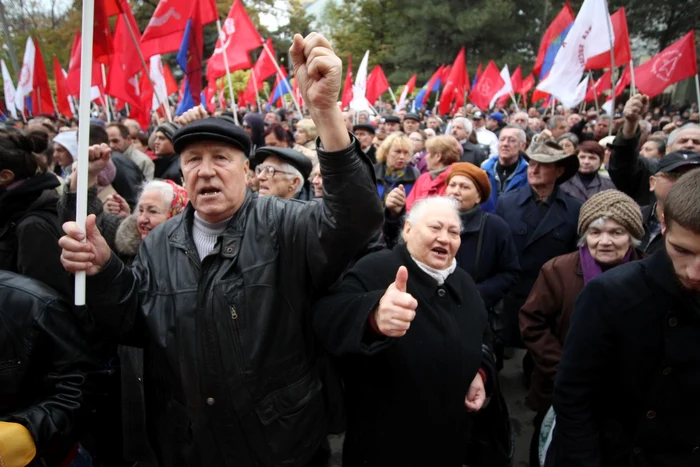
x,y
297,159
392,119
168,129
412,116
222,130
364,126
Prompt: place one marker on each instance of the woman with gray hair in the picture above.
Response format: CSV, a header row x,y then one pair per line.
x,y
413,339
568,142
610,229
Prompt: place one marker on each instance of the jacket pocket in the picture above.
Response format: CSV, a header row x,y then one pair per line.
x,y
293,421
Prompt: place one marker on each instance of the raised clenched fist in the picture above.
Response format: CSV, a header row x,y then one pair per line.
x,y
318,71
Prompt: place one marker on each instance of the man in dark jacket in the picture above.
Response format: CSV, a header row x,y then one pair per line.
x,y
626,388
543,220
44,364
628,169
461,128
167,163
219,296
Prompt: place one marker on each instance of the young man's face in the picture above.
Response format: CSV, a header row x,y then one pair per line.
x,y
683,247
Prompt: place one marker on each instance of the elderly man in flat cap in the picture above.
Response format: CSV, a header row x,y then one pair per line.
x,y
218,296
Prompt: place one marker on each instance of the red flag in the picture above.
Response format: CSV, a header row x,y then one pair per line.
x,y
445,75
539,95
102,46
61,91
249,95
240,36
113,7
209,97
297,93
552,39
457,83
277,83
624,81
528,84
347,89
41,96
73,78
516,79
122,81
167,25
142,112
675,63
170,83
265,66
623,53
490,82
599,87
377,84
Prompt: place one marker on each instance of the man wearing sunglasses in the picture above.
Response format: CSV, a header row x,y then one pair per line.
x,y
219,295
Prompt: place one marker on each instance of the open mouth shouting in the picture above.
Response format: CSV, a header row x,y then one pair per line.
x,y
208,192
440,252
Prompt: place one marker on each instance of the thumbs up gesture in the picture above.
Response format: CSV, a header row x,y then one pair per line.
x,y
397,308
395,201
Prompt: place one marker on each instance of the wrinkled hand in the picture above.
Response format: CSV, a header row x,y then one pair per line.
x,y
395,201
117,205
318,70
397,308
90,256
98,158
192,115
545,135
635,107
476,396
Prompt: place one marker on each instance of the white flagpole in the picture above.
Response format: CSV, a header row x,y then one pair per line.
x,y
255,85
697,88
611,36
84,133
393,97
228,75
633,90
279,72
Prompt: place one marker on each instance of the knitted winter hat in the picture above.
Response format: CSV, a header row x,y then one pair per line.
x,y
168,129
616,206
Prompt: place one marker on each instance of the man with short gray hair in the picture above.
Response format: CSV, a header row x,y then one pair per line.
x,y
461,129
508,171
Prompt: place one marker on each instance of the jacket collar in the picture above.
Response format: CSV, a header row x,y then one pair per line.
x,y
410,173
471,219
181,235
659,269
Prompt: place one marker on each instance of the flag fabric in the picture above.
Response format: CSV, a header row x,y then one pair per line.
x,y
250,95
359,89
282,88
190,58
42,101
581,91
296,92
456,84
588,37
377,84
622,51
347,88
73,78
432,85
238,36
408,89
265,65
157,75
170,83
9,88
188,98
599,87
488,85
527,84
507,88
517,79
552,41
624,81
122,81
102,43
142,112
26,77
168,23
476,76
62,99
675,63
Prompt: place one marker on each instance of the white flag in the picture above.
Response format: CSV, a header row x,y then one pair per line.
x,y
590,35
26,77
506,89
158,78
359,89
9,91
581,90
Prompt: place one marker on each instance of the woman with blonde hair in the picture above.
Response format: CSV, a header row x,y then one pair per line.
x,y
306,134
395,177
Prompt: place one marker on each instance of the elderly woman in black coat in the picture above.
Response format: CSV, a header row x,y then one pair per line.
x,y
413,337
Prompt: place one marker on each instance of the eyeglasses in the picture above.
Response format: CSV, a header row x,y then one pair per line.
x,y
269,170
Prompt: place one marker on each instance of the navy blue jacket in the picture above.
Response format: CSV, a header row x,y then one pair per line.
x,y
498,267
536,243
517,180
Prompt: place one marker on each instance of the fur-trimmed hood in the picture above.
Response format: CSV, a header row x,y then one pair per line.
x,y
128,238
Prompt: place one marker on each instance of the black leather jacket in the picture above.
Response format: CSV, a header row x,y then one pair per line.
x,y
44,364
231,335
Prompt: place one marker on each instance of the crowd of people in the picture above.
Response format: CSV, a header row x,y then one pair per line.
x,y
254,288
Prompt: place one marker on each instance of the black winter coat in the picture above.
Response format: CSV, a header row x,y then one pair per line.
x,y
630,171
29,233
44,366
626,392
229,335
168,168
473,153
498,267
405,396
128,179
536,243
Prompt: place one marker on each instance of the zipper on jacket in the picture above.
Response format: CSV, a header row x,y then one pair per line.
x,y
237,349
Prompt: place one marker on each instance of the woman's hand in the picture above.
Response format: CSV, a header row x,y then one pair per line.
x,y
396,201
476,396
117,205
397,308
